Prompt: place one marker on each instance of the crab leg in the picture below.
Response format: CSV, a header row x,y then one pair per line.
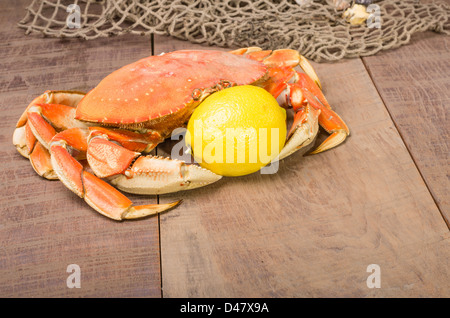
x,y
40,161
101,196
280,58
38,155
69,98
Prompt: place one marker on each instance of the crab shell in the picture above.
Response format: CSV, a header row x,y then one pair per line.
x,y
161,92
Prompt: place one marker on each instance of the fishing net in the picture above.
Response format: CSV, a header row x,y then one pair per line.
x,y
315,28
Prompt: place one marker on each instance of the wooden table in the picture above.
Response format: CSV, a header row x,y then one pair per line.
x,y
311,230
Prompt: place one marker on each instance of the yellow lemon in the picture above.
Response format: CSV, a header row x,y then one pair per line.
x,y
237,131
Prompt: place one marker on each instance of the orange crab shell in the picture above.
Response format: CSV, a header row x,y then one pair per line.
x,y
141,93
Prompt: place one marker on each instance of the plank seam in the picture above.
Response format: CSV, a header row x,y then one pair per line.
x,y
152,49
447,222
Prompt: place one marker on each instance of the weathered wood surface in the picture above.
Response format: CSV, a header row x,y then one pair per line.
x,y
414,84
314,227
309,230
43,226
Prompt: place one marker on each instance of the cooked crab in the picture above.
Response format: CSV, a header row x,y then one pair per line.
x,y
107,133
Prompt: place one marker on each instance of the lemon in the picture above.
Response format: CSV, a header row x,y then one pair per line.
x,y
237,131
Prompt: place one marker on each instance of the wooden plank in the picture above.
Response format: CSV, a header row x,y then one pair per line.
x,y
313,228
43,226
414,83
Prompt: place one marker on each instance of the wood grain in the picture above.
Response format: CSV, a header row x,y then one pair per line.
x,y
43,226
414,84
312,229
309,230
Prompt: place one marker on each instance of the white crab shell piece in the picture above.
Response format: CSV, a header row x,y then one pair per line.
x,y
158,175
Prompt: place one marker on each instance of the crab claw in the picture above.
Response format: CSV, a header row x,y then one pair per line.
x,y
305,91
158,175
331,122
33,131
131,172
303,131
